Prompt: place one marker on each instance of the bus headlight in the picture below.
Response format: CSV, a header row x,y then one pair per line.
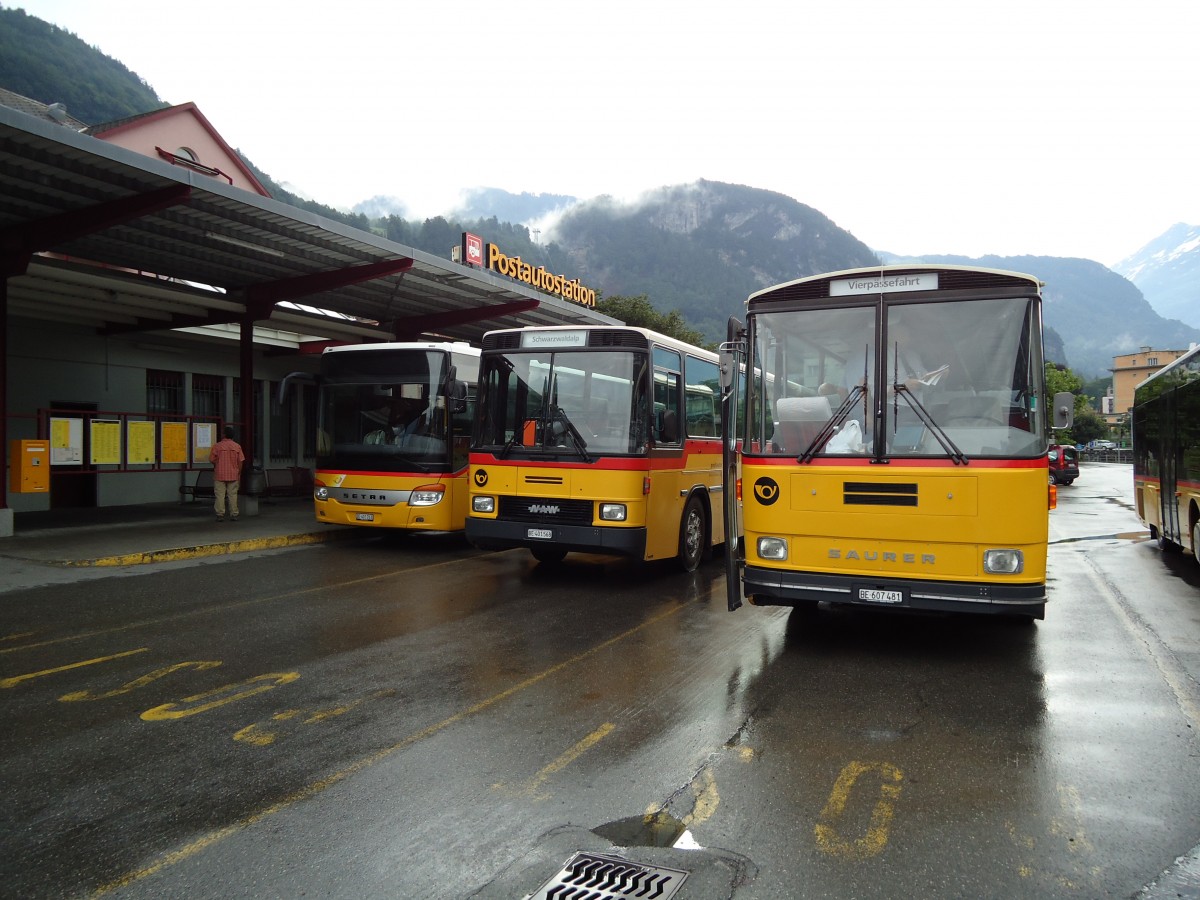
x,y
483,504
429,495
613,512
772,548
1003,562
321,493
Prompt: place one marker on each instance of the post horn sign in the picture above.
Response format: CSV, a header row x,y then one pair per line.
x,y
489,256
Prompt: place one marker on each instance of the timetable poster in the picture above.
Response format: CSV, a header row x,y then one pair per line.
x,y
139,443
203,439
66,441
174,442
106,442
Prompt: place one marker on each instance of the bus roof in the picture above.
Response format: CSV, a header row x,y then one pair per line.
x,y
455,346
1191,356
876,279
650,336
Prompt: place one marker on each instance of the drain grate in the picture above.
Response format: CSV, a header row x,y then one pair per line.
x,y
589,876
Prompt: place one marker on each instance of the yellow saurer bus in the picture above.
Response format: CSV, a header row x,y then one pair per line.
x,y
596,439
393,435
891,442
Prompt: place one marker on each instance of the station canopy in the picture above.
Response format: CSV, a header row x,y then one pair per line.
x,y
95,235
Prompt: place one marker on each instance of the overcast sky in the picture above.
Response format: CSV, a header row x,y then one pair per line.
x,y
1049,127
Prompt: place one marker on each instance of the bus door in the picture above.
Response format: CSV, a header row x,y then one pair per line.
x,y
1168,470
732,354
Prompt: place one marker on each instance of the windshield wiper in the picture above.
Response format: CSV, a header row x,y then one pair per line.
x,y
901,390
557,414
508,446
838,417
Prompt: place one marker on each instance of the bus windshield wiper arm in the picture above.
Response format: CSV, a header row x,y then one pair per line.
x,y
558,415
948,445
831,426
508,446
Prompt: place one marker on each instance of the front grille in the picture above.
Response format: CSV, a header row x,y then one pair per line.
x,y
867,493
547,510
589,876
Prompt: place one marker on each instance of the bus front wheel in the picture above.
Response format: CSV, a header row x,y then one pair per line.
x,y
691,536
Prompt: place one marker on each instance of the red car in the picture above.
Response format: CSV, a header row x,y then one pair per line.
x,y
1064,463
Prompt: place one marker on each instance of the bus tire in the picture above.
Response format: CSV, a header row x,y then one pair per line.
x,y
548,555
692,535
1196,541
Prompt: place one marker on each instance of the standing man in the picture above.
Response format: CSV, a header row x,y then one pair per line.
x,y
227,458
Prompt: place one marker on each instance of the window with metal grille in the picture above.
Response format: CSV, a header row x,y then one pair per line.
x,y
164,393
208,396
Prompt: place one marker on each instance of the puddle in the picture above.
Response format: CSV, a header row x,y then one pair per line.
x,y
658,830
1133,536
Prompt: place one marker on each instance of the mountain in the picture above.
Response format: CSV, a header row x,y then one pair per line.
x,y
51,65
524,208
702,248
1167,270
1097,313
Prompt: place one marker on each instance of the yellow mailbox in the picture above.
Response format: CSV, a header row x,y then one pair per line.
x,y
29,467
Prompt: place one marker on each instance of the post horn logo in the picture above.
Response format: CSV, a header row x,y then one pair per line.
x,y
766,491
481,477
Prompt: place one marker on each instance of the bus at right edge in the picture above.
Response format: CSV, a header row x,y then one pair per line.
x,y
1166,454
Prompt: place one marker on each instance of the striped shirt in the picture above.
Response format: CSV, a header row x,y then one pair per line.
x,y
227,459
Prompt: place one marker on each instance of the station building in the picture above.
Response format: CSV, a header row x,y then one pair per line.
x,y
154,292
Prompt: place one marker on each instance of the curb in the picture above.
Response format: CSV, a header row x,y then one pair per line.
x,y
202,550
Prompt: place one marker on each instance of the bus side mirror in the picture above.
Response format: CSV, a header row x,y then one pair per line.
x,y
1064,409
458,396
726,363
286,384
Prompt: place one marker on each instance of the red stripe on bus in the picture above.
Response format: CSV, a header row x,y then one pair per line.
x,y
896,462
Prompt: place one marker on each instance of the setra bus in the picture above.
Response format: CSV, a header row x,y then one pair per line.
x,y
1166,453
600,439
891,445
393,434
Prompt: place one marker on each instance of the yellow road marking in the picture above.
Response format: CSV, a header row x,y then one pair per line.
x,y
229,693
259,736
198,665
531,786
18,679
871,843
312,790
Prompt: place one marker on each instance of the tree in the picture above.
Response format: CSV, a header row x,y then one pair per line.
x,y
1088,426
1088,423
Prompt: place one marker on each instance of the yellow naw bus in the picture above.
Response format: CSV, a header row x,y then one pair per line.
x,y
393,435
596,439
893,442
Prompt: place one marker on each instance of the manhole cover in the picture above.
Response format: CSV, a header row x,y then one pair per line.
x,y
589,876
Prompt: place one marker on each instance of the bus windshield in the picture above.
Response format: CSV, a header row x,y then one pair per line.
x,y
957,379
384,411
574,402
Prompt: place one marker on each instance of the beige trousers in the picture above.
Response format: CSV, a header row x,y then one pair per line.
x,y
223,490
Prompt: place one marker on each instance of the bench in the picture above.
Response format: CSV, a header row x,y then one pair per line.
x,y
294,481
202,489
